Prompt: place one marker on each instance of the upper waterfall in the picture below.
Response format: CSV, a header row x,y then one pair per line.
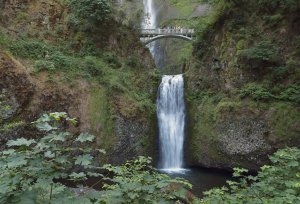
x,y
149,15
150,22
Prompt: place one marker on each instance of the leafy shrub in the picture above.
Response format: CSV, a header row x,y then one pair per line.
x,y
204,95
92,66
48,57
3,38
95,11
136,182
271,5
277,183
31,168
62,61
29,49
292,93
279,73
262,54
132,62
274,19
44,65
112,59
256,92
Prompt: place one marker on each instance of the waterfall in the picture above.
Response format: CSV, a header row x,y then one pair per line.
x,y
171,120
150,22
170,105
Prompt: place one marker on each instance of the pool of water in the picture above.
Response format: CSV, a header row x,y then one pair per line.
x,y
202,179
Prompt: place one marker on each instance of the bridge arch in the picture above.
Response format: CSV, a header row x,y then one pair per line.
x,y
150,35
147,41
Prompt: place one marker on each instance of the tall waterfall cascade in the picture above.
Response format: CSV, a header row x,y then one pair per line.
x,y
171,120
170,106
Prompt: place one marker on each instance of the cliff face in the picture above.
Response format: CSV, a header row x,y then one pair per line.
x,y
243,85
46,66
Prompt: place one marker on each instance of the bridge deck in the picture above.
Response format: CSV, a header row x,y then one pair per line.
x,y
166,31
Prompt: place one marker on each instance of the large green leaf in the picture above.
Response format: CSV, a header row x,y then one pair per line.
x,y
85,137
84,160
77,176
16,161
20,142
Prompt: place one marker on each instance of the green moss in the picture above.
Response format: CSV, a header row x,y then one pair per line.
x,y
285,121
101,118
185,7
228,106
11,125
21,16
203,136
241,44
204,119
261,54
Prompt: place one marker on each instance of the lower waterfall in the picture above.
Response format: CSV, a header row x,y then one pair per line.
x,y
171,122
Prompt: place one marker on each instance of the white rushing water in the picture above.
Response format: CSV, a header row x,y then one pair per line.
x,y
170,106
150,21
171,122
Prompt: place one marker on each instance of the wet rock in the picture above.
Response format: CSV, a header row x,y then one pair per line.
x,y
132,137
243,137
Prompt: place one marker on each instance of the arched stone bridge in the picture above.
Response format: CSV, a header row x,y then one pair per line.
x,y
149,35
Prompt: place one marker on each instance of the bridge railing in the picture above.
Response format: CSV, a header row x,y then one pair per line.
x,y
166,31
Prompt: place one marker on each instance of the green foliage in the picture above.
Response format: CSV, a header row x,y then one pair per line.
x,y
31,168
292,93
46,57
276,183
256,92
274,19
3,38
202,95
261,54
279,73
11,125
112,59
136,182
285,5
92,11
284,121
30,49
44,65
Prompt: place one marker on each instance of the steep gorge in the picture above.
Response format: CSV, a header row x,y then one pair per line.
x,y
240,107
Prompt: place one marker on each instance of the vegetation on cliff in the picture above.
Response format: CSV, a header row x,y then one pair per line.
x,y
245,67
76,42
